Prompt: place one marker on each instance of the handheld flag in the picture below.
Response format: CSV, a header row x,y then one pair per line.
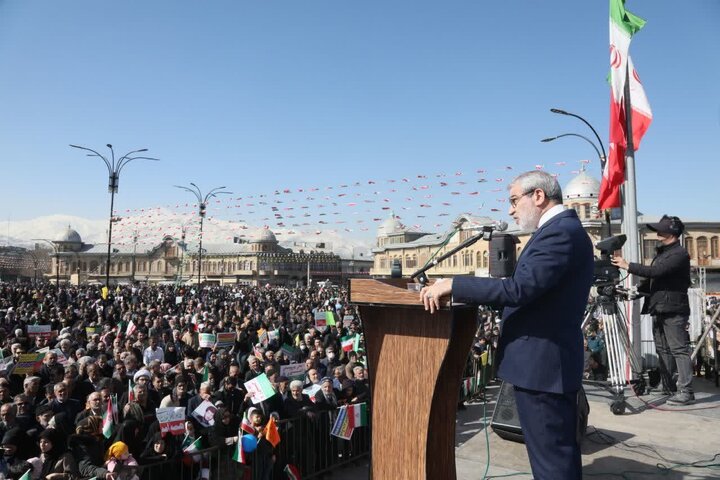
x,y
193,446
246,425
239,453
271,432
108,427
292,472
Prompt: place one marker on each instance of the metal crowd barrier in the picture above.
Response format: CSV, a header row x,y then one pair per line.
x,y
305,442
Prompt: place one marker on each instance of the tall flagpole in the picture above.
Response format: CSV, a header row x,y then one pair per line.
x,y
629,216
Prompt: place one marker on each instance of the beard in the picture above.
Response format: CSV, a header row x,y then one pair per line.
x,y
528,222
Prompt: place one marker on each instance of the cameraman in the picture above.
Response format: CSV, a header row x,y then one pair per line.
x,y
666,286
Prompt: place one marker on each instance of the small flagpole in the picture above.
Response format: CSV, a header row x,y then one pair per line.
x,y
630,213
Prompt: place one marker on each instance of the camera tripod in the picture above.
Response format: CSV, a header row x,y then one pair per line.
x,y
617,343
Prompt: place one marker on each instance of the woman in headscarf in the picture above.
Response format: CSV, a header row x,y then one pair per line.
x,y
16,449
57,462
86,447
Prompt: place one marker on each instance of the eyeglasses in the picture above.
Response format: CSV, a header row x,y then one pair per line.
x,y
514,200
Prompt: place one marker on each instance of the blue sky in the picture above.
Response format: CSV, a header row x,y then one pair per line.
x,y
266,96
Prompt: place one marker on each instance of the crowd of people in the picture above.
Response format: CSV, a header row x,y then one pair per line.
x,y
102,362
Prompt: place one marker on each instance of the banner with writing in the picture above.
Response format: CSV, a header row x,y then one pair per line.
x,y
294,371
225,339
28,363
171,419
207,340
39,331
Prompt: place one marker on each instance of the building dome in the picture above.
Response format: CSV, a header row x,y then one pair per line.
x,y
264,235
69,236
390,226
582,186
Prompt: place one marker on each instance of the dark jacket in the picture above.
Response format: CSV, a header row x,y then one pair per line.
x,y
667,281
541,346
88,452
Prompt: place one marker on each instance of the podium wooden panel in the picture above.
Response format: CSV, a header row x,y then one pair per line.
x,y
415,363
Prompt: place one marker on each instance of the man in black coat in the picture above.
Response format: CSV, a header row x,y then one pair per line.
x,y
666,285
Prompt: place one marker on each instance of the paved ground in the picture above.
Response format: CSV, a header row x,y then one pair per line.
x,y
635,445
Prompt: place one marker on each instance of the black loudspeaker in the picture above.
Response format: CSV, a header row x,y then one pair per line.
x,y
506,423
502,255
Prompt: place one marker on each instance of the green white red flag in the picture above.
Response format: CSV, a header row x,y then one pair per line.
x,y
292,472
623,25
239,453
349,418
108,426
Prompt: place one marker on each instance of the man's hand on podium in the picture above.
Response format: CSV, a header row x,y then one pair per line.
x,y
430,296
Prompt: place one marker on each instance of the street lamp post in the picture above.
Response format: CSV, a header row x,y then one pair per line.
x,y
608,227
202,204
114,169
603,157
563,112
135,240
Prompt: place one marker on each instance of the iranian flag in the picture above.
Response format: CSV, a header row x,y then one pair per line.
x,y
292,472
239,453
623,25
193,446
130,328
108,427
350,343
349,418
246,424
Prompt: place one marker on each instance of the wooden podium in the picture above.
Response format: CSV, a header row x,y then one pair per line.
x,y
415,364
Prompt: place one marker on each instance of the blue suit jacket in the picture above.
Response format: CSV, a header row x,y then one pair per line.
x,y
541,345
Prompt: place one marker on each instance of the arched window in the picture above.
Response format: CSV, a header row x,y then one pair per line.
x,y
478,258
702,248
587,211
714,247
485,259
690,246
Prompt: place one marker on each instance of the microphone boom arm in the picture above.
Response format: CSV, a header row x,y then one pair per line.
x,y
420,274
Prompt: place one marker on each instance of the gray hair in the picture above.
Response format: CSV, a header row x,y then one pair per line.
x,y
542,180
296,384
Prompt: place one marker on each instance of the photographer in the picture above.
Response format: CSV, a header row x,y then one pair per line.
x,y
666,286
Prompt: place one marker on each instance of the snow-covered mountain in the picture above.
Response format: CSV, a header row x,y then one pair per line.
x,y
52,227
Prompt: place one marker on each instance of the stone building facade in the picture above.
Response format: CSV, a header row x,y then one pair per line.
x,y
413,249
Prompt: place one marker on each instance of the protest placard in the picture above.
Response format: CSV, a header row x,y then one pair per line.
x,y
90,331
171,419
225,339
290,351
207,340
294,371
260,388
5,363
39,331
61,358
347,320
205,414
312,391
28,363
178,300
273,335
321,320
263,337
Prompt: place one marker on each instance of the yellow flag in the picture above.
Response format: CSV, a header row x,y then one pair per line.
x,y
104,293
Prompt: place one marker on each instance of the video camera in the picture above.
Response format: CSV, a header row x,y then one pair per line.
x,y
605,272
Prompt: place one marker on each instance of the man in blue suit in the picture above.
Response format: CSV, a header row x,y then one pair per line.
x,y
540,350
